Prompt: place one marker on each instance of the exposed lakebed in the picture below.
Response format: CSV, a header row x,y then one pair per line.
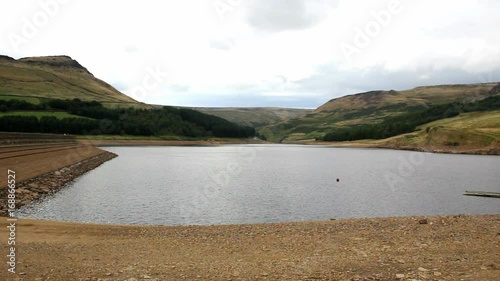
x,y
271,183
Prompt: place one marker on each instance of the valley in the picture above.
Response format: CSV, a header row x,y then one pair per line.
x,y
34,83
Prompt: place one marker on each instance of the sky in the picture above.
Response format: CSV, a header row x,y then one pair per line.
x,y
285,53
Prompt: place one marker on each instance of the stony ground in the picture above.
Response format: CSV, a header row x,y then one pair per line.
x,y
465,247
42,169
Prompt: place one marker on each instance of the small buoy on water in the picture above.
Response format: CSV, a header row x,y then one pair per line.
x,y
338,180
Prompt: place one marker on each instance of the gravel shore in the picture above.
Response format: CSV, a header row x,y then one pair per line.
x,y
462,247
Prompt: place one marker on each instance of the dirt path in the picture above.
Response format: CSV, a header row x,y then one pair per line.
x,y
446,248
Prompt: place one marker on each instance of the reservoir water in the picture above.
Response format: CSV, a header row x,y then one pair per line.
x,y
235,184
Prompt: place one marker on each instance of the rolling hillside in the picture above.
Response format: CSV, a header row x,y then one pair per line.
x,y
254,116
56,77
472,132
372,108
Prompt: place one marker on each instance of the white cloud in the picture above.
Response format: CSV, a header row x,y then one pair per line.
x,y
282,15
238,60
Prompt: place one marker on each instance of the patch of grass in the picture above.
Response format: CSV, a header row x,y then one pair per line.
x,y
40,114
470,120
32,100
473,129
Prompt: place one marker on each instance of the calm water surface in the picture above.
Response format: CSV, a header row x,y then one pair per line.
x,y
271,183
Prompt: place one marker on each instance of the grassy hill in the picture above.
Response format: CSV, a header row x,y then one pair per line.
x,y
58,95
372,108
254,116
35,79
40,114
469,132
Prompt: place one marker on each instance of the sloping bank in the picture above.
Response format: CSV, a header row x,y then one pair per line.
x,y
50,171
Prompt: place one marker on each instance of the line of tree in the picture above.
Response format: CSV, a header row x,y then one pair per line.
x,y
15,104
143,122
407,123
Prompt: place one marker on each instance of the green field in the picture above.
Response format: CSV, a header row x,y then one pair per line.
x,y
473,129
32,100
40,114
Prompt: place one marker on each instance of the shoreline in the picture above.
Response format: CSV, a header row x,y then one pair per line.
x,y
442,150
138,142
52,179
476,151
35,188
263,224
459,247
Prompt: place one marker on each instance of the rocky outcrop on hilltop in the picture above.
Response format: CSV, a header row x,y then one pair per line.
x,y
56,61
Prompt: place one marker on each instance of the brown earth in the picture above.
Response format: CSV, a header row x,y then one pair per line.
x,y
29,161
488,150
410,248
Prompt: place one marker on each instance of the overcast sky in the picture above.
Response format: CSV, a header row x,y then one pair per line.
x,y
287,53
